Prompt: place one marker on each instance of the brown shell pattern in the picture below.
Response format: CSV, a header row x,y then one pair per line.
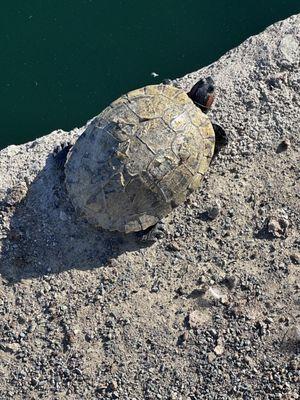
x,y
139,159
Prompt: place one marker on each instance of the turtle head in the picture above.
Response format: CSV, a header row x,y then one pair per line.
x,y
202,93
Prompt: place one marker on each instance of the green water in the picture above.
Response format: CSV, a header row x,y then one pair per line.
x,y
62,61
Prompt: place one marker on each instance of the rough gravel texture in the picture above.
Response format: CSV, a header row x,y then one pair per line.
x,y
211,310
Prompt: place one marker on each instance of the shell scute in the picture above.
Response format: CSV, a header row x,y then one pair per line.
x,y
139,158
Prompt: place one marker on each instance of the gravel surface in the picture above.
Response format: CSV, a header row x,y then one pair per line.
x,y
211,309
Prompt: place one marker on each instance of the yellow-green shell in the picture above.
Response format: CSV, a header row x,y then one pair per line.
x,y
139,158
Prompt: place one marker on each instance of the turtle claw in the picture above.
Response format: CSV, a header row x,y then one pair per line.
x,y
60,154
152,234
170,82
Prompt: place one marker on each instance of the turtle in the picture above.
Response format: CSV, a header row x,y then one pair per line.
x,y
142,156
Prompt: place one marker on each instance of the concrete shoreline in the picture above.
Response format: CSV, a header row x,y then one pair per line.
x,y
209,312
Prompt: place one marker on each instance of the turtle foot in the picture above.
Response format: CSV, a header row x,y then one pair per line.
x,y
221,138
60,153
152,234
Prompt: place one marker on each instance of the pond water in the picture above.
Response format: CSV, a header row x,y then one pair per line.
x,y
62,61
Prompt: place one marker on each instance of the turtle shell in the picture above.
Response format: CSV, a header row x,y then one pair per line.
x,y
139,158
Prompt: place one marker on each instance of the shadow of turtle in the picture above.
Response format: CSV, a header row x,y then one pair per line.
x,y
46,237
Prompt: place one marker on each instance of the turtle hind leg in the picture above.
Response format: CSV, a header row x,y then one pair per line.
x,y
167,81
221,138
152,234
171,82
60,153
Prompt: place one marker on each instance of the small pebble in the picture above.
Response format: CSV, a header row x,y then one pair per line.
x,y
277,227
295,258
173,247
230,282
219,350
283,146
211,357
196,319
